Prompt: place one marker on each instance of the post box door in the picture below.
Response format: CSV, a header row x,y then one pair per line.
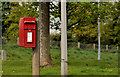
x,y
27,32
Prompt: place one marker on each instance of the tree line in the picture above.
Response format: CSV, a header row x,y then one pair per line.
x,y
82,20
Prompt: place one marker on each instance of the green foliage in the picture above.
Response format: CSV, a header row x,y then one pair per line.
x,y
5,11
55,13
17,12
82,20
110,30
55,37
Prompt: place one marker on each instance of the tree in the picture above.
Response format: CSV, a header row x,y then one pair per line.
x,y
55,14
82,21
111,29
5,11
45,58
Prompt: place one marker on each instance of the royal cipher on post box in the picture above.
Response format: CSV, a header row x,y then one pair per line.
x,y
27,32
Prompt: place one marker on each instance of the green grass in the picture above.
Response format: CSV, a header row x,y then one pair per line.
x,y
80,62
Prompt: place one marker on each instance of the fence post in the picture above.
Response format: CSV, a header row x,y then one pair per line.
x,y
3,55
106,47
94,46
78,44
117,47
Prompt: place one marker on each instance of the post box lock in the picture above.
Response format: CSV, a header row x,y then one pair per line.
x,y
27,32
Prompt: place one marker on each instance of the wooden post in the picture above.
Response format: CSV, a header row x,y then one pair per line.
x,y
63,39
94,46
106,47
36,55
78,44
117,47
3,55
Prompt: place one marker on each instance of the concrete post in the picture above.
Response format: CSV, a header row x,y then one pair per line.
x,y
106,47
99,52
117,47
94,46
78,44
63,39
3,55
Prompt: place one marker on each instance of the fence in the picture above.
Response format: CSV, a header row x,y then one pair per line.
x,y
11,41
93,46
57,44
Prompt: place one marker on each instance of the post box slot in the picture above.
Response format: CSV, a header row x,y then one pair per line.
x,y
29,22
29,26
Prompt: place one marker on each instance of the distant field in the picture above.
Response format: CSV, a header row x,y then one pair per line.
x,y
80,62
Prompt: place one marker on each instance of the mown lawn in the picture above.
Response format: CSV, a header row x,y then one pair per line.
x,y
80,62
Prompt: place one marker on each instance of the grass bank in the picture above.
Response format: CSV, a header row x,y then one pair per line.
x,y
80,62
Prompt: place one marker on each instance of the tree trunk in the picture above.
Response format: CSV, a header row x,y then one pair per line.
x,y
45,58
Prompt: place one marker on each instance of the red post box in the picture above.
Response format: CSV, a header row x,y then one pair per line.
x,y
27,32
